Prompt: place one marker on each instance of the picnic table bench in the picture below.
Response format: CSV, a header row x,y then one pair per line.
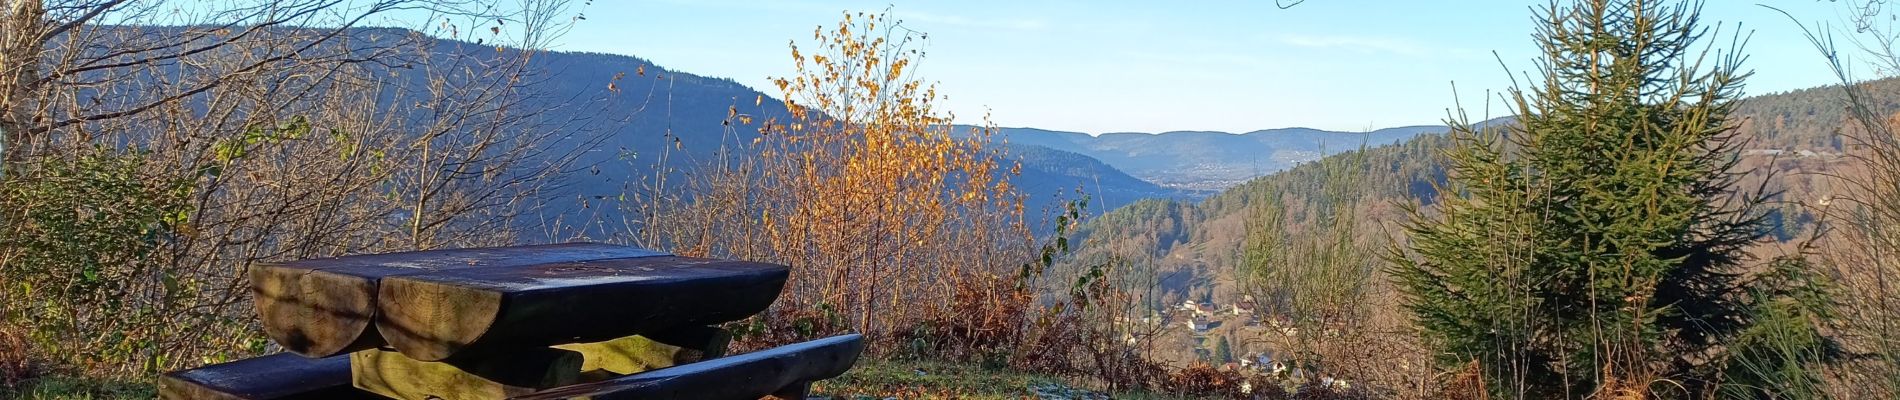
x,y
559,321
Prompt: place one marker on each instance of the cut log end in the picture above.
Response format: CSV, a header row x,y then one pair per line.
x,y
312,313
430,321
340,310
274,292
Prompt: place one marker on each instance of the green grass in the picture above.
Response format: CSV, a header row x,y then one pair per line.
x,y
880,379
67,387
872,379
877,379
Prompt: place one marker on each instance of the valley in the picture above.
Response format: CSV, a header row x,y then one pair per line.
x,y
422,199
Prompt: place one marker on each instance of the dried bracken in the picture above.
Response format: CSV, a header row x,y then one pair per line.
x,y
16,362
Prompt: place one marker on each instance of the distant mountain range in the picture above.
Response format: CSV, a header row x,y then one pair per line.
x,y
656,119
681,116
1202,162
684,112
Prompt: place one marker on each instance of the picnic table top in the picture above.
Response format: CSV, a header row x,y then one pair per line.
x,y
434,304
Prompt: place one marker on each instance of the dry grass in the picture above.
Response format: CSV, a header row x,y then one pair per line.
x,y
16,363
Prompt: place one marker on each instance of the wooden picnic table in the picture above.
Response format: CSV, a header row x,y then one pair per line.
x,y
549,321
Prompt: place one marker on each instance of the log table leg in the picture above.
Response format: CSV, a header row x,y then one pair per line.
x,y
639,353
784,372
709,342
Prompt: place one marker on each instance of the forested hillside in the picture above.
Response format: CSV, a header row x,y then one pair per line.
x,y
1049,174
1793,137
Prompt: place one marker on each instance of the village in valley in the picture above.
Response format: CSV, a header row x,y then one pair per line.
x,y
1237,336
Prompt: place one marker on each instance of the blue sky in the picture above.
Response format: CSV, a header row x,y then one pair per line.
x,y
1150,66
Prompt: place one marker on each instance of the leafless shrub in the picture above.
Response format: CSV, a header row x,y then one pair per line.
x,y
290,132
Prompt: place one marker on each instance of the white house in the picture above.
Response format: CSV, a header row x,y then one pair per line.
x,y
1243,308
1198,324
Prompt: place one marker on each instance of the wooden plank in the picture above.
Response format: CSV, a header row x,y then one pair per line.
x,y
640,353
435,316
778,371
708,341
325,307
281,376
393,375
518,372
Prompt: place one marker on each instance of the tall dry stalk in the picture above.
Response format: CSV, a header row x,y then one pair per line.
x,y
1862,248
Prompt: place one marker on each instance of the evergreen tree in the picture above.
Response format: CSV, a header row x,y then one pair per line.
x,y
1223,352
1595,247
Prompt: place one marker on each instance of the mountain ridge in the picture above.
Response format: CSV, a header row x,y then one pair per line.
x,y
654,113
1203,162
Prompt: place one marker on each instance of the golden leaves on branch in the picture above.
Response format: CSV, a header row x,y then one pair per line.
x,y
868,189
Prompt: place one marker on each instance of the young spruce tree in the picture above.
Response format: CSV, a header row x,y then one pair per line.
x,y
1595,247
